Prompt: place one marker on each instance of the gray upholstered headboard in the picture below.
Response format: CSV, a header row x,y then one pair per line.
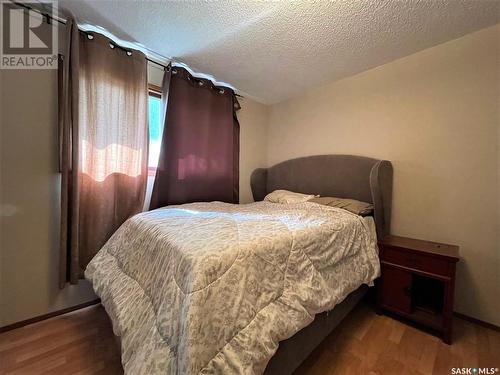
x,y
342,176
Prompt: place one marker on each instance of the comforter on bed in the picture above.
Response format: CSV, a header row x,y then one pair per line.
x,y
212,288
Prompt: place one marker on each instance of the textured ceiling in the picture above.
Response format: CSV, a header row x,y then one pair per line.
x,y
273,50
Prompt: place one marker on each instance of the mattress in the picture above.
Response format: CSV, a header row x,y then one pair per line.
x,y
214,287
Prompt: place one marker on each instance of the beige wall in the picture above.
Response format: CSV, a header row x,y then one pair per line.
x,y
253,119
435,115
29,199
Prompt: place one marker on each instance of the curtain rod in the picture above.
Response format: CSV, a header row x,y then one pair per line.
x,y
49,18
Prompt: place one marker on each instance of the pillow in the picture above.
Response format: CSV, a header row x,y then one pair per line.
x,y
285,196
352,205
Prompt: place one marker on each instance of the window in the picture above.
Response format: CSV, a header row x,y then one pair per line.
x,y
155,130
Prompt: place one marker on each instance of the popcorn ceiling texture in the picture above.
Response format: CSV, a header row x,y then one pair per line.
x,y
272,51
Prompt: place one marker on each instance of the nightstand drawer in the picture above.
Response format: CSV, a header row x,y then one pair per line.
x,y
415,261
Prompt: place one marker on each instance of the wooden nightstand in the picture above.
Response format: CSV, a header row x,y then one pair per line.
x,y
418,281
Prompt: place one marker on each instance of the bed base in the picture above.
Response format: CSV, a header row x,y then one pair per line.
x,y
293,351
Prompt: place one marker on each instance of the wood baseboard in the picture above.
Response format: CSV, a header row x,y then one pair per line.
x,y
48,316
477,321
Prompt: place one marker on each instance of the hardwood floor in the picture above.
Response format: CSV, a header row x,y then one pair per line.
x,y
82,342
367,343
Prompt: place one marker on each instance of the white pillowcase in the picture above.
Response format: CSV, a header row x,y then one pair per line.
x,y
285,196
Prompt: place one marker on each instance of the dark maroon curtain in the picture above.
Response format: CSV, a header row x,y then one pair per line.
x,y
199,158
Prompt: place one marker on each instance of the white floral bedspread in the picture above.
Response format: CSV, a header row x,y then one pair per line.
x,y
212,288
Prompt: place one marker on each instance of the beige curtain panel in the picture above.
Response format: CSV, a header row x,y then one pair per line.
x,y
103,128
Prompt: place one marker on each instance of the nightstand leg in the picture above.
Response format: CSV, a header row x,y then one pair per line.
x,y
447,337
448,311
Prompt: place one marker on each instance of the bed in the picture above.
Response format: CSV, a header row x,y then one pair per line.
x,y
344,176
220,288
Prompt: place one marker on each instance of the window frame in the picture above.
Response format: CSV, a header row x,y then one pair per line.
x,y
154,91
